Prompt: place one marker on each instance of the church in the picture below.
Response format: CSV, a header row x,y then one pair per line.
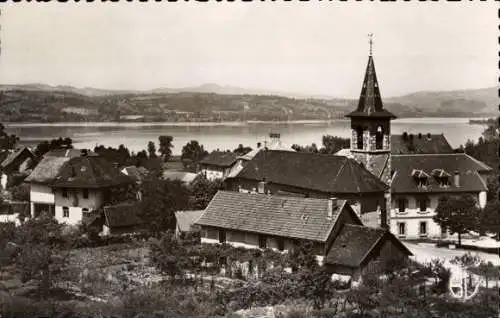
x,y
398,190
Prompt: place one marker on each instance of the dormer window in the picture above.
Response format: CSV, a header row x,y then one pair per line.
x,y
442,177
420,177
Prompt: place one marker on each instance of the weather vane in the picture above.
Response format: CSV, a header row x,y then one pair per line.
x,y
370,36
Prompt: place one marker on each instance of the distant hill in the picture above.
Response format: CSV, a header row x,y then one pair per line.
x,y
213,102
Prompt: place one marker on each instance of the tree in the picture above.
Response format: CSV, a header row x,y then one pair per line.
x,y
202,192
332,144
151,149
457,215
490,218
240,151
7,141
192,154
21,192
161,198
166,147
43,252
312,148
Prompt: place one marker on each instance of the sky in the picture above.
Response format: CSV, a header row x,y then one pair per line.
x,y
309,48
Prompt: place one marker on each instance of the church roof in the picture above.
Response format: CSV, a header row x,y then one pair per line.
x,y
318,172
370,102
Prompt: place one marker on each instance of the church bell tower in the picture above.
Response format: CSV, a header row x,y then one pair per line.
x,y
371,127
371,135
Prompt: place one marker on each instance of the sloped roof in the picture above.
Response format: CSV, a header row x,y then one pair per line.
x,y
47,170
420,143
89,172
354,243
319,172
11,157
370,101
138,173
468,167
220,159
186,219
122,215
186,177
293,217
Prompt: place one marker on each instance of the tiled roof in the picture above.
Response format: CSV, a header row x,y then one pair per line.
x,y
293,217
11,157
89,172
318,172
404,167
370,101
422,143
220,159
122,215
355,242
352,245
186,177
47,170
186,219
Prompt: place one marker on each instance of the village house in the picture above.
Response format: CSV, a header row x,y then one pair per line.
x,y
15,164
70,186
218,164
339,239
420,180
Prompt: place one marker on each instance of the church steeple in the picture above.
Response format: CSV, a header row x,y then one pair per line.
x,y
370,102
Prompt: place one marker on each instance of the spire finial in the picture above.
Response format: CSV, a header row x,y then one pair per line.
x,y
370,37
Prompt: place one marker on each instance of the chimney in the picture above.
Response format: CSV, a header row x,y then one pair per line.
x,y
262,187
332,205
419,135
258,145
456,178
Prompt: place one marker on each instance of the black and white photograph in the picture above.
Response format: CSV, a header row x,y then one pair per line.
x,y
266,159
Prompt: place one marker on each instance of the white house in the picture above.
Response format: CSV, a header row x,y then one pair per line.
x,y
70,186
218,164
419,180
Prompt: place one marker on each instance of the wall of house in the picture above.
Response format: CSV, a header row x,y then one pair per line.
x,y
384,252
412,216
75,215
76,203
40,193
75,198
248,240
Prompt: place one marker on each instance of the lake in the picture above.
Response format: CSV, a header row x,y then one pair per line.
x,y
228,135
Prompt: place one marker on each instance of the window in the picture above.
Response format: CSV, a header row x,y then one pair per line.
x,y
85,193
423,228
401,229
281,244
402,204
262,187
65,212
222,236
85,212
262,241
65,193
423,203
379,138
359,140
